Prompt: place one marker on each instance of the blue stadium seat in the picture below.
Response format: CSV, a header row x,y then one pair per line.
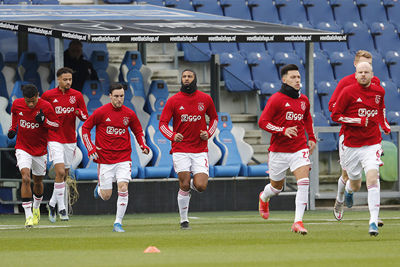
x,y
99,61
39,44
208,6
393,60
264,72
379,66
322,68
8,45
93,91
327,141
16,2
139,160
196,52
152,2
230,163
16,93
219,48
157,97
343,64
331,47
393,12
5,123
300,47
247,48
274,48
319,11
236,73
130,72
325,90
291,11
3,85
89,170
372,11
345,11
180,4
45,2
386,37
392,96
358,37
393,117
161,163
118,1
264,11
235,9
28,70
317,103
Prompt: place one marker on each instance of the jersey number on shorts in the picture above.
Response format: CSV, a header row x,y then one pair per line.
x,y
305,154
206,163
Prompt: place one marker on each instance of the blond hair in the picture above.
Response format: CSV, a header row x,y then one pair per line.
x,y
362,53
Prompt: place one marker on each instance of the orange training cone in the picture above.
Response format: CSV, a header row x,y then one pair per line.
x,y
151,249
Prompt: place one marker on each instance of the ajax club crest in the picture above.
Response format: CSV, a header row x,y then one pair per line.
x,y
201,106
125,121
377,99
303,105
72,99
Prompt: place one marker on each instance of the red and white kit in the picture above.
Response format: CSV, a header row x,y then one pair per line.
x,y
32,137
112,133
188,115
282,112
65,104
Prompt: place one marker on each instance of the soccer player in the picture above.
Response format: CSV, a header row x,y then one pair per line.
x,y
287,116
112,150
67,104
189,138
32,118
360,108
361,56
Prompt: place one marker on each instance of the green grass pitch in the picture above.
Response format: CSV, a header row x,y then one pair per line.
x,y
216,239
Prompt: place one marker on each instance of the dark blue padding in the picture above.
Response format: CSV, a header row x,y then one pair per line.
x,y
162,166
264,11
343,64
157,96
186,5
10,52
196,52
87,174
230,163
236,73
235,9
29,61
93,90
372,11
358,37
207,6
322,68
327,141
264,72
99,61
291,11
3,85
319,11
132,60
345,11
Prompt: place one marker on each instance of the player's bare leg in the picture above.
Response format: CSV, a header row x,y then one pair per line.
x,y
122,203
37,197
26,195
199,182
373,200
184,197
303,184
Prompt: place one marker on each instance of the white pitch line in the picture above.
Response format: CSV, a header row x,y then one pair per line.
x,y
12,227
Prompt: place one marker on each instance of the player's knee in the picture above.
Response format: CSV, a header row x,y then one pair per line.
x,y
60,174
26,179
201,187
105,195
184,186
345,176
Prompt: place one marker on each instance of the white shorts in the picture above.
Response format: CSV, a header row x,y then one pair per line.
x,y
118,172
61,153
341,151
35,163
358,158
279,162
190,162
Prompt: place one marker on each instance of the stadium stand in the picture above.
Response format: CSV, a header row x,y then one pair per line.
x,y
40,45
219,48
392,96
92,93
45,2
208,6
180,4
214,155
379,66
393,60
322,68
99,61
372,11
358,37
393,12
246,48
262,10
89,170
139,159
151,2
326,141
287,9
196,52
274,48
3,84
16,2
319,11
342,63
386,37
235,9
10,52
236,73
345,11
28,66
264,72
331,47
157,97
118,1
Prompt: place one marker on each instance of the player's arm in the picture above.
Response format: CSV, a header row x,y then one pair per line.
x,y
86,138
382,117
137,130
342,103
308,123
81,111
335,95
212,113
50,118
166,116
266,119
14,124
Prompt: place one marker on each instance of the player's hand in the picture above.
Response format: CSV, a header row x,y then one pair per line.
x,y
40,117
178,137
11,134
311,145
366,121
145,150
203,135
80,113
291,131
93,155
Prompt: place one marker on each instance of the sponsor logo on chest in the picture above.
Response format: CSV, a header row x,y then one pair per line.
x,y
63,110
28,125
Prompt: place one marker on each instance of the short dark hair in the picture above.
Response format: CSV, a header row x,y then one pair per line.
x,y
29,90
75,42
64,70
116,86
285,69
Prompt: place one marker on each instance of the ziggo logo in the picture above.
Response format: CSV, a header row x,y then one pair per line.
x,y
363,112
28,125
190,118
113,130
61,110
290,116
